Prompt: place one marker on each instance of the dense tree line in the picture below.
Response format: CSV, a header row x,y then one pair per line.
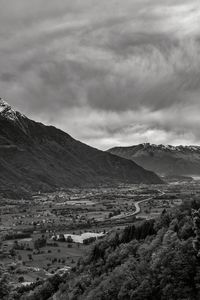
x,y
157,260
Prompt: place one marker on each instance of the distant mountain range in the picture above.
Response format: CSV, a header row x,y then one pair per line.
x,y
164,160
38,157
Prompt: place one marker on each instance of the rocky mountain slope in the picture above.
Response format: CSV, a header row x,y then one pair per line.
x,y
164,160
38,157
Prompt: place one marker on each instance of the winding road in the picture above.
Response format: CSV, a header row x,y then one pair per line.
x,y
137,208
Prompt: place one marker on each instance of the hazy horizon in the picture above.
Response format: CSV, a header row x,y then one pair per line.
x,y
108,73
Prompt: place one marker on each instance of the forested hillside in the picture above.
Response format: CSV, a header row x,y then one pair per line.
x,y
154,260
157,260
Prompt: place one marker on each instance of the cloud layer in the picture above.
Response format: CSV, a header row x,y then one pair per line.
x,y
107,72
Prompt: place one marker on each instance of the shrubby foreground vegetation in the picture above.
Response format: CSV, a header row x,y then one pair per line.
x,y
152,261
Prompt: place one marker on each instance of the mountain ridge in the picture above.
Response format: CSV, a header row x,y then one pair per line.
x,y
39,157
163,159
161,146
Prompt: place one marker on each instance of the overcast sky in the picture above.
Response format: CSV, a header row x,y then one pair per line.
x,y
108,72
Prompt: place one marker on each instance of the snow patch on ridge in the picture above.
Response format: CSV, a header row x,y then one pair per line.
x,y
154,147
7,111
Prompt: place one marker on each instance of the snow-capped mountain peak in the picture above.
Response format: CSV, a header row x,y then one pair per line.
x,y
3,105
7,111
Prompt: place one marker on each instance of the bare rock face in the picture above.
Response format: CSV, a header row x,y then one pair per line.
x,y
38,157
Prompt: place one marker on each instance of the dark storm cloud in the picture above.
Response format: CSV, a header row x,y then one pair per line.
x,y
107,72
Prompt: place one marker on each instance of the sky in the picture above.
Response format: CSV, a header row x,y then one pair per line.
x,y
109,73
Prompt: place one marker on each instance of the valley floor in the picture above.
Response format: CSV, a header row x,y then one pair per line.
x,y
48,234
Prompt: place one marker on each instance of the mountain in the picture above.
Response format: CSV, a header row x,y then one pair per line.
x,y
164,160
38,157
